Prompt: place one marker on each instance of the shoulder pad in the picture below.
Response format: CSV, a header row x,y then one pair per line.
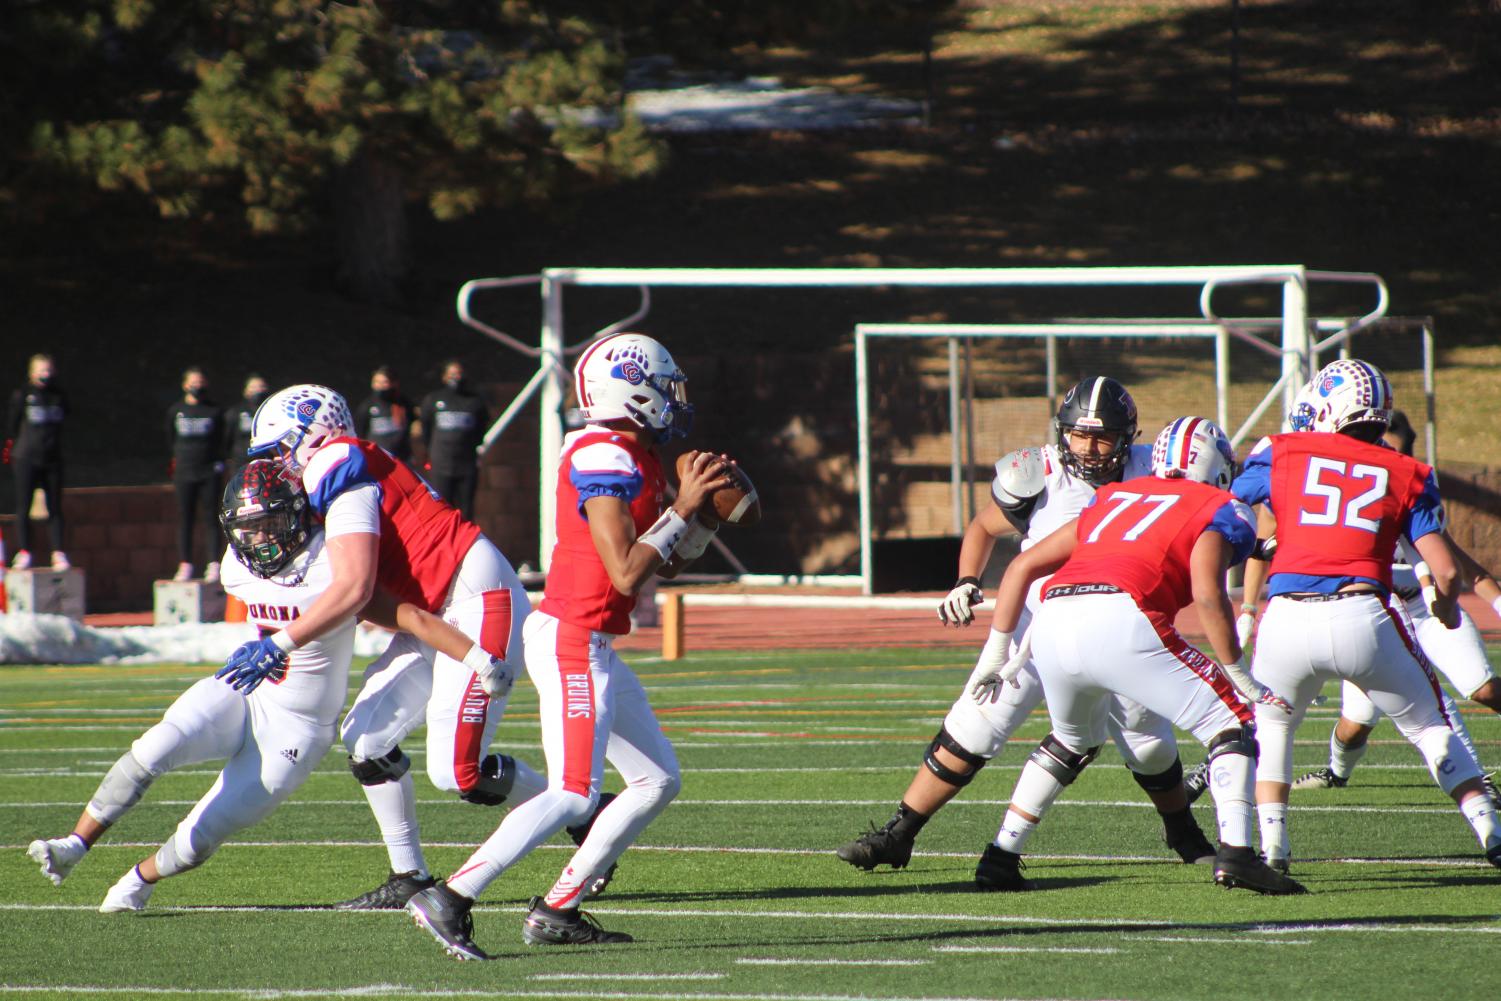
x,y
1019,477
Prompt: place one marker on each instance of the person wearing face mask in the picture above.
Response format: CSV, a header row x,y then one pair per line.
x,y
454,421
33,449
238,419
195,435
385,416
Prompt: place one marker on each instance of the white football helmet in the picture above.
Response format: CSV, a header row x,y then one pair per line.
x,y
633,377
1349,392
1194,448
295,422
1305,405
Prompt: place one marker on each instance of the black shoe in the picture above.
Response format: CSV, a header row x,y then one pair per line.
x,y
1000,870
1493,855
392,895
1242,867
1196,781
597,885
1281,865
446,917
1190,844
545,926
876,846
1320,778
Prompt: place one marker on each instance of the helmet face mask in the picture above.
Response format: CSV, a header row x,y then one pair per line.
x,y
293,423
265,517
1305,406
1352,397
632,377
1097,406
1194,448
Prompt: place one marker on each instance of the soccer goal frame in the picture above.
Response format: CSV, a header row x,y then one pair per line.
x,y
549,385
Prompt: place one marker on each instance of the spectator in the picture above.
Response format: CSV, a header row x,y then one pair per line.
x,y
238,418
454,421
34,447
195,434
385,416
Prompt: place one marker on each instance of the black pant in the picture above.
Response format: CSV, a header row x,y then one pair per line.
x,y
203,491
457,488
50,479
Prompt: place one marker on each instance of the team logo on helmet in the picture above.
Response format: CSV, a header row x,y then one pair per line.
x,y
307,409
1329,381
630,371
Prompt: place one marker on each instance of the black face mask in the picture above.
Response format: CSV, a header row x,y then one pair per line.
x,y
381,394
44,381
454,383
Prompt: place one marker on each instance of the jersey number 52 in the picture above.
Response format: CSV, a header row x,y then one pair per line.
x,y
1331,481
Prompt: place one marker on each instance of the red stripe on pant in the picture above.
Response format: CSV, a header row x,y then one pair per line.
x,y
1409,641
1206,668
495,623
469,734
578,706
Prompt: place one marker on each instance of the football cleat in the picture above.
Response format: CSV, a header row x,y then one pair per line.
x,y
1493,855
1241,867
57,856
392,895
1281,865
1196,781
545,926
1191,845
1001,871
1489,782
447,917
128,896
876,846
1321,778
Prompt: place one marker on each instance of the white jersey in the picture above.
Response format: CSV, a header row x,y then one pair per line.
x,y
316,680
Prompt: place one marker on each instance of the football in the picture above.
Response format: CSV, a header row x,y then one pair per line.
x,y
736,504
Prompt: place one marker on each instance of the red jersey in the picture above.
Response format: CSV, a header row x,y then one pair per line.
x,y
598,463
1340,505
423,539
1138,536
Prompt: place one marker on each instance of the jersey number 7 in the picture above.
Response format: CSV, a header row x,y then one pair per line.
x,y
1123,500
1345,479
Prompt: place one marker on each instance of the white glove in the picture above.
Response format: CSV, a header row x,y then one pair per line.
x,y
956,608
988,667
495,676
1253,690
987,687
1018,660
1245,625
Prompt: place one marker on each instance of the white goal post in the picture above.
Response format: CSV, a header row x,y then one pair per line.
x,y
550,382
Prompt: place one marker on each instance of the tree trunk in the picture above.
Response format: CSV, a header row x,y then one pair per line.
x,y
372,229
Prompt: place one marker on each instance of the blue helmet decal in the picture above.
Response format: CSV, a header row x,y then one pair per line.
x,y
1328,383
629,370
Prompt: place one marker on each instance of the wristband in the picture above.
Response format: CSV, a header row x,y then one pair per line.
x,y
283,641
1421,570
477,659
665,533
972,581
694,541
1249,609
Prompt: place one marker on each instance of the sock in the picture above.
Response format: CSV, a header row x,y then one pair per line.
x,y
564,895
395,807
133,878
907,822
1233,786
1342,758
78,839
1274,840
1480,811
1179,821
1014,832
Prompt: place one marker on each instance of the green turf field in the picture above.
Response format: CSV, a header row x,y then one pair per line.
x,y
734,892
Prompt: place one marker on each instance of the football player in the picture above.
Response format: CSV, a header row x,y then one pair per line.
x,y
1139,553
385,526
1341,499
272,734
613,534
1035,491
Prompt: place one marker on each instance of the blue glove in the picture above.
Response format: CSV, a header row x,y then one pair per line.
x,y
251,664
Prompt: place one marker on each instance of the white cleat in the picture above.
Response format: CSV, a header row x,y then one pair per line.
x,y
57,856
128,896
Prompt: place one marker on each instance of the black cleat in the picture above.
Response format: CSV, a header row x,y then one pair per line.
x,y
1191,845
1196,781
545,926
877,846
1242,867
1320,778
1001,871
446,917
1493,855
392,895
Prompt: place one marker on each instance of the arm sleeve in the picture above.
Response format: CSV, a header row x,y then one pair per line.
x,y
604,470
1237,524
1427,512
1254,484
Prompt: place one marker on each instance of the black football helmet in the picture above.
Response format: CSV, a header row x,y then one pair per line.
x,y
265,516
1100,405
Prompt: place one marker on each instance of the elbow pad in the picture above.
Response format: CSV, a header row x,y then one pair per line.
x,y
1019,478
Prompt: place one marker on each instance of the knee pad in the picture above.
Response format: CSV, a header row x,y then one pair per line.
x,y
1240,740
1165,781
122,788
1060,762
957,779
375,771
497,775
